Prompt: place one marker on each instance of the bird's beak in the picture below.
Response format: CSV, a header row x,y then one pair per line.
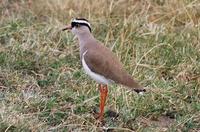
x,y
68,27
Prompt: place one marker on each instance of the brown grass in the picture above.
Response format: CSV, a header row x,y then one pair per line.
x,y
42,85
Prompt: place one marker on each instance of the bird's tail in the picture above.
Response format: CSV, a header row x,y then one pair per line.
x,y
134,85
140,90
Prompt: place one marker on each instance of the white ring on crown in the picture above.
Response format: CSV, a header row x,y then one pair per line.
x,y
81,21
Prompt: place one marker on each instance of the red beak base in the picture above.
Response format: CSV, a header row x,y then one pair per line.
x,y
68,27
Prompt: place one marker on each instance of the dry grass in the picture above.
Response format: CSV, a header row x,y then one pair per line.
x,y
43,87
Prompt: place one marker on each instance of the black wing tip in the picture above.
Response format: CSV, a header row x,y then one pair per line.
x,y
140,90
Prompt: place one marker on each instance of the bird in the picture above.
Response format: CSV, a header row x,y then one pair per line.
x,y
99,62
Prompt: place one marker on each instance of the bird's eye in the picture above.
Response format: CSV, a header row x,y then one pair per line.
x,y
77,25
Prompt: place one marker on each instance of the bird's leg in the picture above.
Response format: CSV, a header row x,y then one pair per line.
x,y
103,95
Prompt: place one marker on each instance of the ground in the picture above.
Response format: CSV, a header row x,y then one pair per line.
x,y
43,86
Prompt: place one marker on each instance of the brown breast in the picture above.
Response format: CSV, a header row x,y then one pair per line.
x,y
102,61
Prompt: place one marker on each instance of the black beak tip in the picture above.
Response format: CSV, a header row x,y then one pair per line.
x,y
64,29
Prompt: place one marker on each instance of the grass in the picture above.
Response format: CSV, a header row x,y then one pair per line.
x,y
44,88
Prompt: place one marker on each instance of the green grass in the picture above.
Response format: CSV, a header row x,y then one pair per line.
x,y
43,86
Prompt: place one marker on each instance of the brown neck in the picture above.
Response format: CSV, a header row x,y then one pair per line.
x,y
85,40
85,37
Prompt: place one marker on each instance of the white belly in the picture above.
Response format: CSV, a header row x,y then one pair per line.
x,y
99,78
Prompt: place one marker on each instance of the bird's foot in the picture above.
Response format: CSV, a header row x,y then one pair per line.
x,y
97,114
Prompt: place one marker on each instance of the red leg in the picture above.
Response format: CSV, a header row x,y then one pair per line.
x,y
103,95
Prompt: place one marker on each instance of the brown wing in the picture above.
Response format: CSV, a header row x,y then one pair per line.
x,y
105,63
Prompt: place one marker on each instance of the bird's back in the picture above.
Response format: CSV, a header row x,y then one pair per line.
x,y
102,61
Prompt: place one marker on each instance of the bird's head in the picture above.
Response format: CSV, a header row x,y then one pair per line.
x,y
79,26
